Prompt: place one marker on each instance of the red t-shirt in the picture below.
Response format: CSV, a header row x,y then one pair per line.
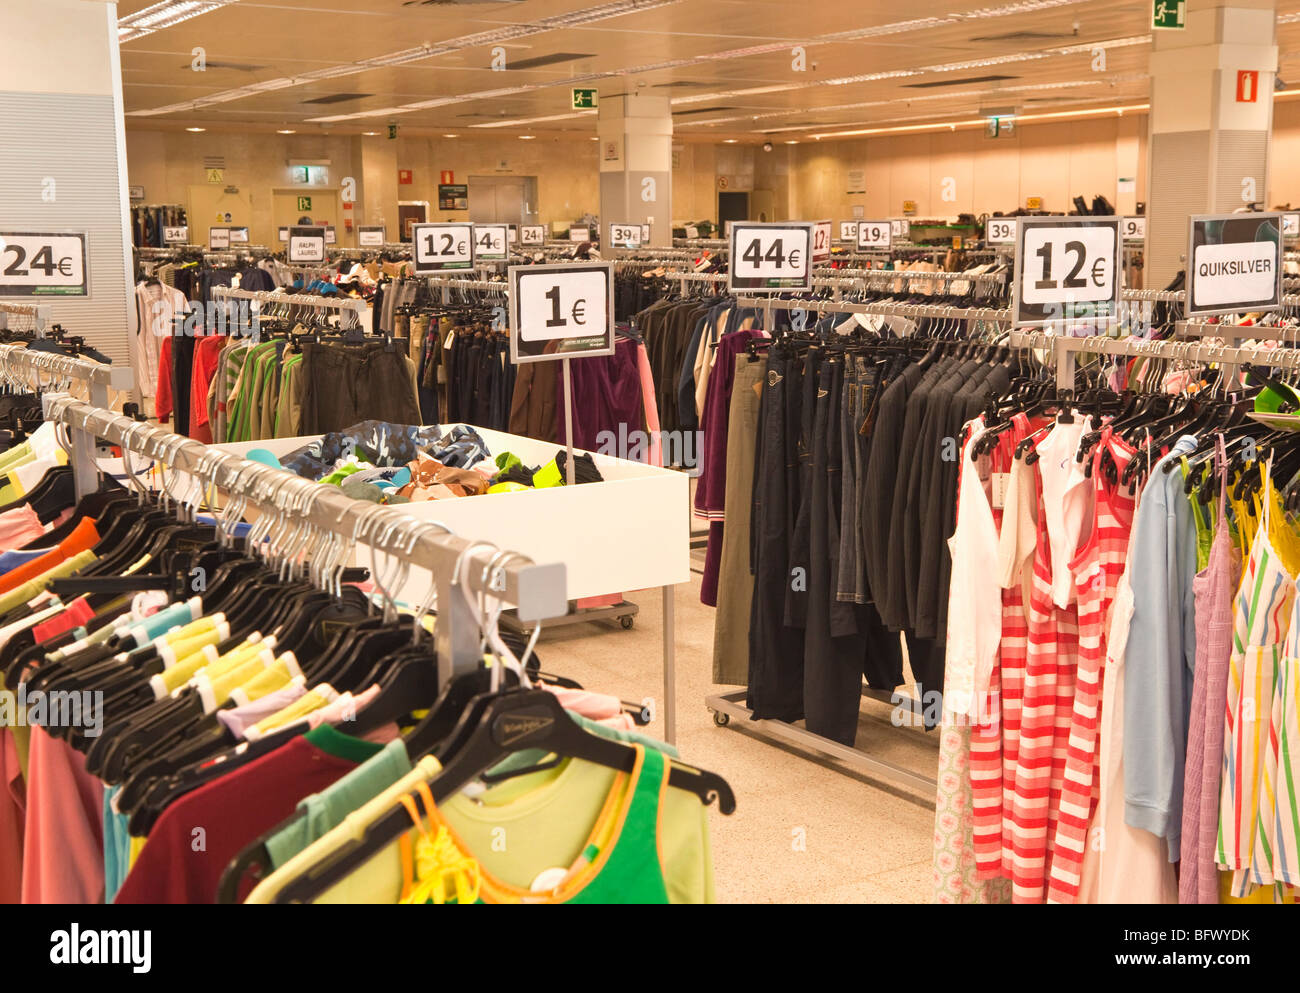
x,y
197,836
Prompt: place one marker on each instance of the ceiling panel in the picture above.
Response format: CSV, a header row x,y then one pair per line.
x,y
866,62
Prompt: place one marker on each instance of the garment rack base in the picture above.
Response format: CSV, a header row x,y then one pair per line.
x,y
624,612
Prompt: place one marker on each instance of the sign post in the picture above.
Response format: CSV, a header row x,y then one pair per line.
x,y
770,258
1234,263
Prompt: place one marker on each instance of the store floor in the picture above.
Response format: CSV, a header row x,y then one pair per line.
x,y
803,831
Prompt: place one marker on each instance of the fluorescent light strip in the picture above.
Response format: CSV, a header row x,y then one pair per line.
x,y
577,18
536,120
164,15
981,122
921,23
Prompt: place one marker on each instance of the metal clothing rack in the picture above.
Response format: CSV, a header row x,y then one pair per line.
x,y
537,591
345,305
39,312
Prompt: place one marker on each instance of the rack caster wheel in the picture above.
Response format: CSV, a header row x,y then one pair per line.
x,y
721,719
627,621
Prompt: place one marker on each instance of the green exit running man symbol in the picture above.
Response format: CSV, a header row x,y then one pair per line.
x,y
1169,14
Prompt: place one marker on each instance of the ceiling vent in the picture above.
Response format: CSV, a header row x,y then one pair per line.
x,y
233,66
451,3
1022,36
338,98
701,110
683,83
550,60
956,82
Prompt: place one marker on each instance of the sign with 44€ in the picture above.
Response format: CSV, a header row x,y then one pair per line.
x,y
561,311
1000,231
438,247
36,264
769,258
492,241
1066,269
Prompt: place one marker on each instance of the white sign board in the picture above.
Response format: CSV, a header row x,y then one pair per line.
x,y
849,231
1000,231
371,236
331,236
491,242
439,247
561,311
770,258
284,234
1134,228
579,235
625,235
218,239
239,236
874,234
1066,269
37,264
900,228
177,235
1236,263
306,244
532,234
1291,224
821,241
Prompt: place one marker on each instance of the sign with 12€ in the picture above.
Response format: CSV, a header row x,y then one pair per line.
x,y
175,234
371,236
37,264
306,244
874,234
821,241
1236,263
491,241
1000,230
438,247
1134,228
561,311
1066,269
849,231
532,234
625,235
770,257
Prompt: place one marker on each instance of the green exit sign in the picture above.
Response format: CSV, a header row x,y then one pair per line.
x,y
304,203
1169,14
584,99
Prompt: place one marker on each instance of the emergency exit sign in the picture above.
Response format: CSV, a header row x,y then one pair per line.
x,y
1169,14
584,99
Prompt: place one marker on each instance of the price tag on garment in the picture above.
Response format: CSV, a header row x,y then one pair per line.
x,y
1000,231
849,231
874,234
218,239
625,235
1291,225
178,235
1066,269
306,244
491,241
769,258
438,247
372,236
35,264
532,234
1236,263
1134,228
821,250
579,235
561,311
239,236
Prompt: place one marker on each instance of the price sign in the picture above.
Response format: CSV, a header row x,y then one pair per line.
x,y
218,239
849,231
1291,225
645,234
1236,263
625,235
532,234
306,244
512,233
34,264
770,257
579,235
900,228
284,234
331,236
239,236
1134,228
491,241
372,236
439,247
178,235
1000,231
874,234
560,311
1066,269
821,250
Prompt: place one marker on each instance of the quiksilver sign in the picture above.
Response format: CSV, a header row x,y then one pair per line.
x,y
1236,263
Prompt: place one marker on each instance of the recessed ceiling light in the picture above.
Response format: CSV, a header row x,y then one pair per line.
x,y
196,129
730,141
792,143
527,137
286,131
451,136
371,134
596,138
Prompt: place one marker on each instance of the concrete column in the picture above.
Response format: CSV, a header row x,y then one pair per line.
x,y
63,168
378,187
636,163
1208,149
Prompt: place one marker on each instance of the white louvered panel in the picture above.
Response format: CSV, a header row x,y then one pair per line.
x,y
1179,177
72,139
1240,154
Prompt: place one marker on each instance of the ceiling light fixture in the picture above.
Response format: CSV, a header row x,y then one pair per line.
x,y
371,134
730,141
535,120
451,136
196,129
982,122
163,15
527,137
286,131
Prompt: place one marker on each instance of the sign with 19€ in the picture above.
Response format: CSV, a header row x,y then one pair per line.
x,y
439,247
874,234
561,311
770,258
1066,269
1000,231
306,244
1236,263
42,264
625,235
491,241
1134,228
532,234
849,231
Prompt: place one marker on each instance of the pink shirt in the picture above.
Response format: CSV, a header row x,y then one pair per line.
x,y
18,527
64,857
651,408
12,809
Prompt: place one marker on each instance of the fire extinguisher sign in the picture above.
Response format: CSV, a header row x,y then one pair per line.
x,y
1247,85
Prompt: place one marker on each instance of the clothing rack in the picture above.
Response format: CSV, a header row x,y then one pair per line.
x,y
538,591
292,299
39,312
